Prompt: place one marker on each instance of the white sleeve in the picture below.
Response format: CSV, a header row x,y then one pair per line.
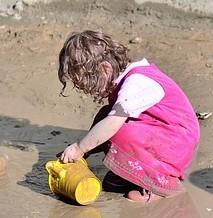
x,y
137,94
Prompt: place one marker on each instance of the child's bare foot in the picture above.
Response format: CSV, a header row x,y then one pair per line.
x,y
144,197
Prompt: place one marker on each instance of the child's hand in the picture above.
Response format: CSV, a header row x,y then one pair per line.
x,y
72,153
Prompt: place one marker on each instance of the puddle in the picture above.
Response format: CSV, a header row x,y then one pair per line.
x,y
26,184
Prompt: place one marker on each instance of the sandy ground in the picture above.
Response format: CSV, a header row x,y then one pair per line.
x,y
36,123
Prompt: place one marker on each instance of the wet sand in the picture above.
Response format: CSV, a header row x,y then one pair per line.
x,y
25,193
36,123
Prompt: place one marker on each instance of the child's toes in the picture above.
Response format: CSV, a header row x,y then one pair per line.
x,y
135,196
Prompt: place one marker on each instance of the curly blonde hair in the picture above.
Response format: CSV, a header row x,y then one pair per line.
x,y
81,58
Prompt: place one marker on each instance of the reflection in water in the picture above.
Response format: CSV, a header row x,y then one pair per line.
x,y
178,207
68,211
203,179
107,205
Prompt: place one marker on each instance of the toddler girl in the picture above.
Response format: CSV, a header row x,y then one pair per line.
x,y
149,124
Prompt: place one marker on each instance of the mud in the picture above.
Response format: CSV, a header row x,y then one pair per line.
x,y
36,123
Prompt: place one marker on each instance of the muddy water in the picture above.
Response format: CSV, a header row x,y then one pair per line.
x,y
25,193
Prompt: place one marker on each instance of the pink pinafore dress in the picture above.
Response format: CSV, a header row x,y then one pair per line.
x,y
155,150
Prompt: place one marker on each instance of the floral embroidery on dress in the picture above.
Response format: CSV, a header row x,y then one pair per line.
x,y
135,165
113,150
163,180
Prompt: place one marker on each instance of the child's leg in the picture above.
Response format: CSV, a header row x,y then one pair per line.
x,y
142,195
114,183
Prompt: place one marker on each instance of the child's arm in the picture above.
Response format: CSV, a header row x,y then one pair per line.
x,y
99,134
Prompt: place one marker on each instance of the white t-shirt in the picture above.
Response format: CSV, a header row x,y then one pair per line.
x,y
137,93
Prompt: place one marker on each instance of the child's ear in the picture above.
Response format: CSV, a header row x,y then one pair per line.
x,y
106,68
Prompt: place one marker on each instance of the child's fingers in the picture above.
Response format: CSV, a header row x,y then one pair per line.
x,y
70,160
62,157
60,153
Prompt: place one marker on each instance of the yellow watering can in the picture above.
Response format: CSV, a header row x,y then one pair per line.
x,y
73,180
